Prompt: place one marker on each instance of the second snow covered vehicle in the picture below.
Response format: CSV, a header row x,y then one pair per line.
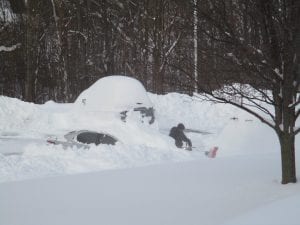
x,y
82,139
118,94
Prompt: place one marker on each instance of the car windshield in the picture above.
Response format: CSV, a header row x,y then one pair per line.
x,y
95,138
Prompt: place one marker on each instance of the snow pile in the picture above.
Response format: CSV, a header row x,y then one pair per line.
x,y
40,160
15,114
114,93
25,127
233,130
194,113
139,143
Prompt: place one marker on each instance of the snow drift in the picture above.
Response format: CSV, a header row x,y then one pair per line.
x,y
144,179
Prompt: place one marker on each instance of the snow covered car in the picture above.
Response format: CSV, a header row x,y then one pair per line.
x,y
118,94
83,138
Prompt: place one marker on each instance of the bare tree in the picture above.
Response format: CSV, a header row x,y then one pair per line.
x,y
257,45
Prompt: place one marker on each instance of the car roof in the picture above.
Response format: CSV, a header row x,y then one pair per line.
x,y
114,93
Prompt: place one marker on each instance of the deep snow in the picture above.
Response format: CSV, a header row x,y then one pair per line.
x,y
144,179
196,192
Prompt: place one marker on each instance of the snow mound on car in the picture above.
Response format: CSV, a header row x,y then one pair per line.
x,y
114,93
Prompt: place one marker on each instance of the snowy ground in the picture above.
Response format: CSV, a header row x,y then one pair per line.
x,y
143,179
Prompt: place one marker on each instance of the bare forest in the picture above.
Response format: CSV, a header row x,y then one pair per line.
x,y
54,49
242,52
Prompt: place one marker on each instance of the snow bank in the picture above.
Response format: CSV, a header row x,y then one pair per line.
x,y
25,128
174,108
15,114
233,130
42,160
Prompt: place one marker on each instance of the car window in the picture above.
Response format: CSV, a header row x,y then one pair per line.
x,y
87,137
95,138
106,139
145,112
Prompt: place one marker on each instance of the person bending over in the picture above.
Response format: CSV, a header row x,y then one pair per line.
x,y
179,136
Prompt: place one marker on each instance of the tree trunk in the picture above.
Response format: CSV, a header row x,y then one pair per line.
x,y
287,144
158,48
30,53
196,46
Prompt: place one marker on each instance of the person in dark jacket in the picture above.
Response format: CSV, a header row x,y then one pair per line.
x,y
179,136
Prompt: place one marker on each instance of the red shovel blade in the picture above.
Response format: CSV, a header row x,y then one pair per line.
x,y
212,153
